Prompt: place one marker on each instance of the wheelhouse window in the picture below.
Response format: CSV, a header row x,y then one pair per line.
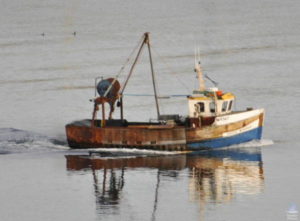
x,y
212,107
230,105
224,106
201,106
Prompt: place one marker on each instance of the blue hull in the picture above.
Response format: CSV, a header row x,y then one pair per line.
x,y
254,134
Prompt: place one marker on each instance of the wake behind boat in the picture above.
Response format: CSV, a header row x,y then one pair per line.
x,y
211,122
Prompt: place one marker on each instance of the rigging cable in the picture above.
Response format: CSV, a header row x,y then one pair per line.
x,y
211,80
124,65
170,69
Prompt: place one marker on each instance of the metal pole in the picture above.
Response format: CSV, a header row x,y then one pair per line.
x,y
94,115
129,75
133,65
103,115
121,108
147,41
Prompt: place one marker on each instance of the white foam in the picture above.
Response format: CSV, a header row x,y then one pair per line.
x,y
254,143
135,151
19,141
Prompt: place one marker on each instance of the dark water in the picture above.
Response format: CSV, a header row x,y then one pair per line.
x,y
251,48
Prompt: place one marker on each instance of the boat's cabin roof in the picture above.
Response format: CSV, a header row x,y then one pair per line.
x,y
211,102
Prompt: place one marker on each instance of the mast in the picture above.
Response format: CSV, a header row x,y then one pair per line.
x,y
127,79
133,65
198,69
147,41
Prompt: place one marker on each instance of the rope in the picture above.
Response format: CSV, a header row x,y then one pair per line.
x,y
160,97
171,70
211,80
124,65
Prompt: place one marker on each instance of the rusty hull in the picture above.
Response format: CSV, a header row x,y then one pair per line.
x,y
145,137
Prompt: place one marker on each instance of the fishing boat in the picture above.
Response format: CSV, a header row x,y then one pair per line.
x,y
211,123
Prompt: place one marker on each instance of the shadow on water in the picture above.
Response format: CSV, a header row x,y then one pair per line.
x,y
213,176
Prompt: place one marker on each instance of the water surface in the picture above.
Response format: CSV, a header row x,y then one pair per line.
x,y
46,80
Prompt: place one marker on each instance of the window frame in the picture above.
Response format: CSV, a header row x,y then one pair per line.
x,y
230,105
224,106
212,107
201,107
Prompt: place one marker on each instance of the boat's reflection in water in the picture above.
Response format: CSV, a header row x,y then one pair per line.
x,y
219,175
213,176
